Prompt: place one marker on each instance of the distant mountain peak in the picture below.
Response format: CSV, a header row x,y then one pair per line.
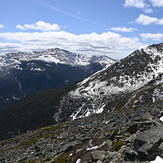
x,y
55,55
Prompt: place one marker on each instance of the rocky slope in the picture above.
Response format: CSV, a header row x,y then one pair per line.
x,y
129,135
103,90
22,74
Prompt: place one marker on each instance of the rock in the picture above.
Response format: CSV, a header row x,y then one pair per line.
x,y
67,147
99,161
130,155
141,126
160,150
99,155
37,148
144,145
130,139
115,157
90,142
147,152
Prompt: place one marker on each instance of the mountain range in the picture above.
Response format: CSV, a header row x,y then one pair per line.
x,y
24,73
113,116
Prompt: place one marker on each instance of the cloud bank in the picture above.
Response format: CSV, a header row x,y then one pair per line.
x,y
152,36
123,29
148,6
140,4
107,43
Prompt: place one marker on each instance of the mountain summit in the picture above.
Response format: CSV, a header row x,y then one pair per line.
x,y
56,55
24,73
100,91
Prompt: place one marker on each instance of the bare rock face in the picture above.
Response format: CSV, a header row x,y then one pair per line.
x,y
145,145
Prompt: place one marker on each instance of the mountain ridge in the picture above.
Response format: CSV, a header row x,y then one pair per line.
x,y
108,84
24,73
55,55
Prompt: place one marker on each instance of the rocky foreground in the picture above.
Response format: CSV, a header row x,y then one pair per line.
x,y
129,135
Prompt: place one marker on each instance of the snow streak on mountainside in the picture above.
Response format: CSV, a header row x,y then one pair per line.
x,y
56,55
127,75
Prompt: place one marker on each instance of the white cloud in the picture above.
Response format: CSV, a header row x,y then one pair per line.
x,y
2,26
146,5
160,21
147,20
9,47
157,3
40,25
152,36
107,43
148,10
122,29
135,3
140,4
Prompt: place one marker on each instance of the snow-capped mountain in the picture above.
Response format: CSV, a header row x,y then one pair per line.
x,y
58,56
24,73
100,91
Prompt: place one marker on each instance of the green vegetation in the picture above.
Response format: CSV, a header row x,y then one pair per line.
x,y
118,145
64,158
38,134
33,161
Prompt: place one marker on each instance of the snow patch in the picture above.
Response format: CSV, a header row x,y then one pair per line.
x,y
75,115
70,154
100,110
95,147
49,58
161,118
38,69
88,113
15,98
157,160
78,161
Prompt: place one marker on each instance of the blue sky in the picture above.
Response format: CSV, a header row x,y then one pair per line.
x,y
110,27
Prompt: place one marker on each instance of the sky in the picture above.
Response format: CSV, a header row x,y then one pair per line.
x,y
92,27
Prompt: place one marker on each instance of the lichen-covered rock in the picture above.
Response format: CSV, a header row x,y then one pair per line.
x,y
99,155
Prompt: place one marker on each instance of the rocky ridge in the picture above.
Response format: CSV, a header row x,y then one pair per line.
x,y
56,55
130,135
101,91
